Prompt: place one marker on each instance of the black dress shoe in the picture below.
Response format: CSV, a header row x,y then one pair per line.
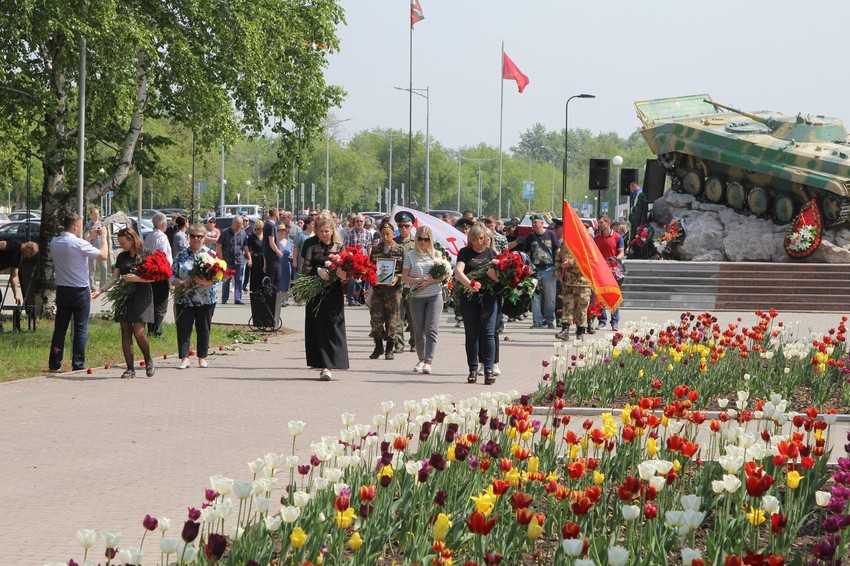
x,y
489,378
472,377
238,303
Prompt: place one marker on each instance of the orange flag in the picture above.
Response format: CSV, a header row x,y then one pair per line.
x,y
591,263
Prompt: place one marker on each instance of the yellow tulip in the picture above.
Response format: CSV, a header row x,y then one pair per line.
x,y
355,542
629,350
534,529
298,537
533,464
640,373
343,520
598,477
625,414
615,354
583,443
552,477
526,436
677,465
665,420
822,368
756,516
386,471
651,447
441,527
485,502
669,367
512,432
793,479
574,451
450,454
513,477
818,434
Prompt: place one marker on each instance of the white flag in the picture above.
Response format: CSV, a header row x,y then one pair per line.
x,y
449,237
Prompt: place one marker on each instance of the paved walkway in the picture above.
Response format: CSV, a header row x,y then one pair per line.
x,y
94,451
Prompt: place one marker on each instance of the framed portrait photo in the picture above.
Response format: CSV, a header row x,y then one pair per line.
x,y
386,271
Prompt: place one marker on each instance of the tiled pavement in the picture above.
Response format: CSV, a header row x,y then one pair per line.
x,y
94,451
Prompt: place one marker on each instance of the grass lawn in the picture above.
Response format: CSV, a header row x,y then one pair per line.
x,y
24,354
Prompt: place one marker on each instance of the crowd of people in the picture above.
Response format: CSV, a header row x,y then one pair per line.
x,y
268,255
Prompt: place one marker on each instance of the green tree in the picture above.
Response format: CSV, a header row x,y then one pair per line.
x,y
220,70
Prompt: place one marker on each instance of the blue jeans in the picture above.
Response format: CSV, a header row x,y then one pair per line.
x,y
237,281
71,302
615,316
543,305
479,326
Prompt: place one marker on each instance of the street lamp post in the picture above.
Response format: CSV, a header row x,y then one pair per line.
x,y
248,191
480,185
388,137
566,139
328,159
618,161
426,96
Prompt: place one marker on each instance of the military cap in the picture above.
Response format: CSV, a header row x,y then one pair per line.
x,y
464,222
557,222
403,216
538,217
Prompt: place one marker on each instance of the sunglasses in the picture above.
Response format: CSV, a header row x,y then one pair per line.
x,y
424,239
196,236
405,225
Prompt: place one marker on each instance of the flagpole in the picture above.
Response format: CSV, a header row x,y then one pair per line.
x,y
501,107
410,122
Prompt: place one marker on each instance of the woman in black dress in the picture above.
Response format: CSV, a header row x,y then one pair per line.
x,y
138,310
254,247
324,319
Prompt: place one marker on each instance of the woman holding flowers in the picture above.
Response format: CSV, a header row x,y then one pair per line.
x,y
385,302
136,310
324,319
478,302
194,299
425,271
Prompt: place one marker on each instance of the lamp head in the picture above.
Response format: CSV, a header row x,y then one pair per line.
x,y
587,96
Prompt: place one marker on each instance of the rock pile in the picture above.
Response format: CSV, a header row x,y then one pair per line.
x,y
716,233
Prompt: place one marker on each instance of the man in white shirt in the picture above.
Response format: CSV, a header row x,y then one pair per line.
x,y
157,240
71,256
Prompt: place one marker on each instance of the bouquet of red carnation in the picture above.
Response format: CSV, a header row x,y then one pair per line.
x,y
513,275
511,269
616,267
351,261
154,267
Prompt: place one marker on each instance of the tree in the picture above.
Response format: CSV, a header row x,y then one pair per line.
x,y
219,69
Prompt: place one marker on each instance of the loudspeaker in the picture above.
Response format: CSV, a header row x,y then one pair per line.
x,y
600,171
654,179
627,177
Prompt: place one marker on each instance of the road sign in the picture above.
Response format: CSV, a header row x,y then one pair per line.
x,y
575,204
585,209
111,194
528,190
604,207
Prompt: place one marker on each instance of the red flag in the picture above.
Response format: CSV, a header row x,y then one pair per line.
x,y
589,260
416,14
511,72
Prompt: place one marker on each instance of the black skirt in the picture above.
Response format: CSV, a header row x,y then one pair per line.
x,y
324,330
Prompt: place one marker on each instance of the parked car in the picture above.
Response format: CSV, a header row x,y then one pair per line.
x,y
146,228
440,213
169,212
224,222
20,215
18,231
4,218
374,214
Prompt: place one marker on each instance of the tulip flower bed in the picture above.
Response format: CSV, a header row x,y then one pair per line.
x,y
647,360
487,481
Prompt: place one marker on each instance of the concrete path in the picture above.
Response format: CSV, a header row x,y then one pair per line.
x,y
95,451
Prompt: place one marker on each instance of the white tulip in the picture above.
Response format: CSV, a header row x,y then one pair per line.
x,y
691,502
731,483
130,556
630,512
658,482
272,523
292,462
731,463
296,427
347,436
646,470
86,537
187,554
347,419
261,504
410,405
584,562
572,546
662,466
674,518
242,489
168,545
339,487
618,556
336,449
164,524
412,467
273,460
830,418
236,532
362,430
693,519
256,466
746,441
743,395
689,555
344,462
301,499
387,407
289,513
379,420
822,498
208,515
722,403
717,486
333,475
110,540
221,484
770,504
320,483
746,377
224,507
372,441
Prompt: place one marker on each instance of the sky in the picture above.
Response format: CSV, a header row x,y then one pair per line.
x,y
782,55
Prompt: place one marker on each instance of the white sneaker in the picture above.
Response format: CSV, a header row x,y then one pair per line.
x,y
426,368
418,368
496,370
480,369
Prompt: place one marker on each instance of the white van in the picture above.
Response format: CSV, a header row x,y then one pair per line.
x,y
252,210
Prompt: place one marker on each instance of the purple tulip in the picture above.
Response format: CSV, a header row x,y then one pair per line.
x,y
194,514
210,494
441,498
190,531
150,523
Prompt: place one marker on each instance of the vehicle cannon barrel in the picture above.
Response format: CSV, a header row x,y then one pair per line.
x,y
767,121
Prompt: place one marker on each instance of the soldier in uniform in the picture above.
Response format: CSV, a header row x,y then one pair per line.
x,y
404,221
575,295
386,298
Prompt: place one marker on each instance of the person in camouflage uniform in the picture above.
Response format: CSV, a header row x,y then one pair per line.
x,y
404,221
386,299
575,295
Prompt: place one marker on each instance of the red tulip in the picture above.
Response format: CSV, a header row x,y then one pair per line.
x,y
479,524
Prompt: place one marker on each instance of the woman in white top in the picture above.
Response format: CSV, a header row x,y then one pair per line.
x,y
427,304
